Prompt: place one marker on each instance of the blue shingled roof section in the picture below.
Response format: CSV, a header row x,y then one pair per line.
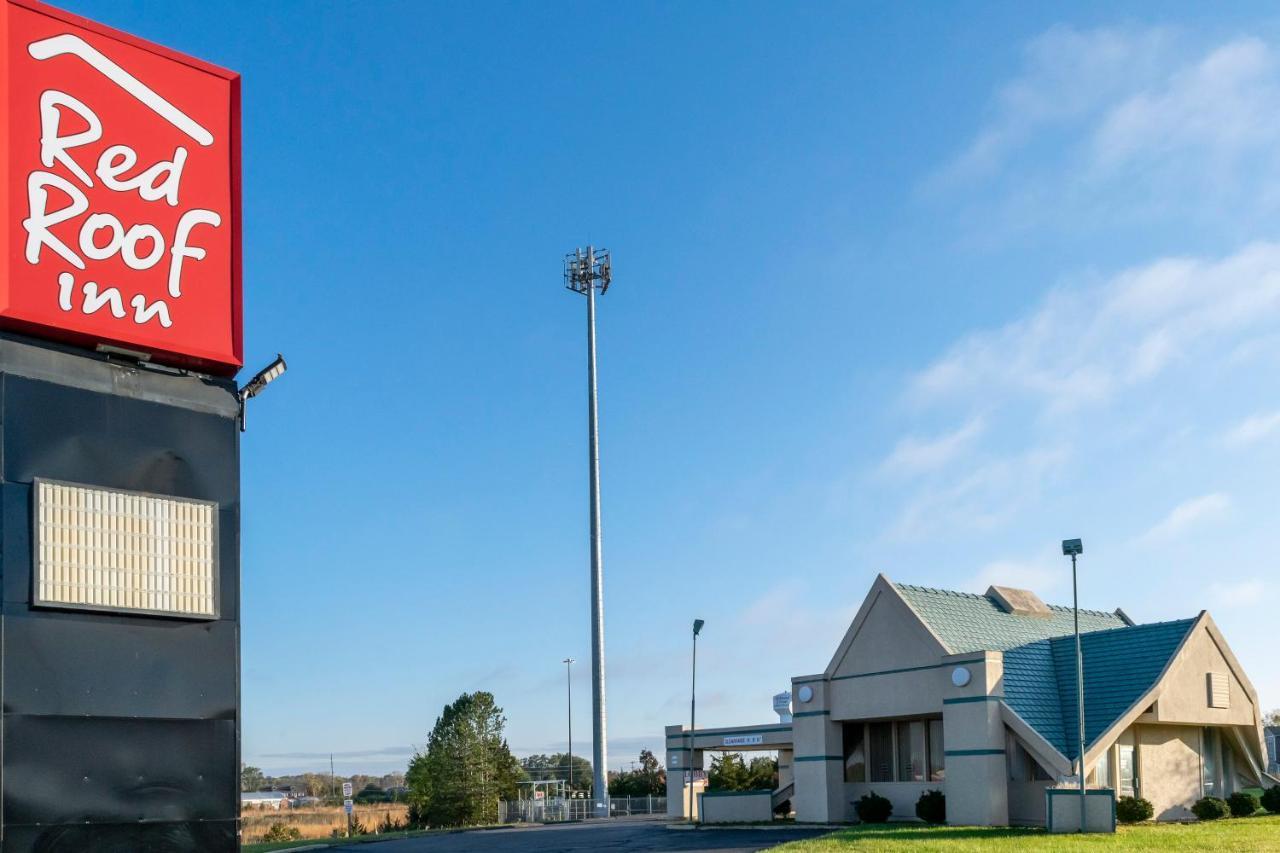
x,y
1119,666
1031,689
970,623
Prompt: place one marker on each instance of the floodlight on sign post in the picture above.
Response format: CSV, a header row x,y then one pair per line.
x,y
262,379
1073,548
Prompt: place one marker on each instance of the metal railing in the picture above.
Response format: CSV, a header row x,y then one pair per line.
x,y
553,810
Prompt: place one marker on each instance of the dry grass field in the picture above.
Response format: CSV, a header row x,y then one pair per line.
x,y
317,821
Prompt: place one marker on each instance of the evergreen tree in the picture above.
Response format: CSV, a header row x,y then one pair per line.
x,y
466,768
731,773
728,773
762,773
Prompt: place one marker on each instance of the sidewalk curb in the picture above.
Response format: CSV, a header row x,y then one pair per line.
x,y
763,827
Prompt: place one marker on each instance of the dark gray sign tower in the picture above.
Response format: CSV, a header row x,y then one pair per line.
x,y
119,554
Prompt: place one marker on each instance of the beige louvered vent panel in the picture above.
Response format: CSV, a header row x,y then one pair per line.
x,y
1219,690
102,549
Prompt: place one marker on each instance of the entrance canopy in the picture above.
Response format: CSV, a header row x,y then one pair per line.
x,y
771,737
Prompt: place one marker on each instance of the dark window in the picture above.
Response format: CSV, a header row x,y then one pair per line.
x,y
902,751
855,753
937,764
881,752
911,751
1208,763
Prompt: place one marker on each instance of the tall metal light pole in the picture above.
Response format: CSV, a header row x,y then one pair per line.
x,y
1073,548
568,680
586,271
693,710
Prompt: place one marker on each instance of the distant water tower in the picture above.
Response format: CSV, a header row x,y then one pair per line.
x,y
782,706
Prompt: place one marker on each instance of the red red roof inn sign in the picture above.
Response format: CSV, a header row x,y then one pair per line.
x,y
121,207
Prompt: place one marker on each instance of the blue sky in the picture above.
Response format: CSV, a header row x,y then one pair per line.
x,y
914,289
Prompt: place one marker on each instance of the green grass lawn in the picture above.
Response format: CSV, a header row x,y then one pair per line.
x,y
1238,834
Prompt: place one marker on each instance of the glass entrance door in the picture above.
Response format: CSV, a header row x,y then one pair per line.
x,y
1128,761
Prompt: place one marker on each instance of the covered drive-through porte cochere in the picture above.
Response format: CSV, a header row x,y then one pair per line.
x,y
685,770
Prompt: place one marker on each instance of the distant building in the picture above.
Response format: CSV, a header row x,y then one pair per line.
x,y
264,800
1273,750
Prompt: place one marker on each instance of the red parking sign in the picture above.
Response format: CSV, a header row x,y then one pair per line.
x,y
121,213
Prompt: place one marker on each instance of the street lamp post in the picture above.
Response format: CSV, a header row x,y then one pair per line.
x,y
693,709
1073,548
568,678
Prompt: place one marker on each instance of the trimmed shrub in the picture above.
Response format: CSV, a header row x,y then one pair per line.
x,y
873,808
282,832
1211,808
1134,810
1271,799
932,807
356,828
1243,804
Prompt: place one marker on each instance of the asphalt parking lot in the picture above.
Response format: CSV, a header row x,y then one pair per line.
x,y
622,835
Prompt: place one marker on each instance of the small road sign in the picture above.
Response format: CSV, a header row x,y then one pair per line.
x,y
346,789
348,806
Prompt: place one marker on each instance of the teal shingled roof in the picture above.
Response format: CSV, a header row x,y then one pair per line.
x,y
971,623
1120,665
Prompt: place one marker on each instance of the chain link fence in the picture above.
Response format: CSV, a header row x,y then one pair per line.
x,y
553,810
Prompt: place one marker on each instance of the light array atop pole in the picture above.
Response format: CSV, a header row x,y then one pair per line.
x,y
586,271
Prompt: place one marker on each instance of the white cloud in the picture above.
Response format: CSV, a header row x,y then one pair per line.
x,y
1241,594
1219,107
1253,429
1187,514
1043,574
981,498
1083,345
1067,75
789,611
1118,125
914,455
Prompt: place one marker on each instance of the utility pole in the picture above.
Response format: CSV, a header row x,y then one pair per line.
x,y
568,680
585,272
333,783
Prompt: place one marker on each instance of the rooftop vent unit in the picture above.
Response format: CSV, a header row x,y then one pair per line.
x,y
1020,602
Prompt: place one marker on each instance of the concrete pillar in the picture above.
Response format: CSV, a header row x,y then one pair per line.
x,y
680,761
973,734
786,768
818,763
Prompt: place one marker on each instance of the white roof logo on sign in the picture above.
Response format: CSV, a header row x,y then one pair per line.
x,y
76,46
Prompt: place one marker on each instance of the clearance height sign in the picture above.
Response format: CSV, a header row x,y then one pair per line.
x,y
121,204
